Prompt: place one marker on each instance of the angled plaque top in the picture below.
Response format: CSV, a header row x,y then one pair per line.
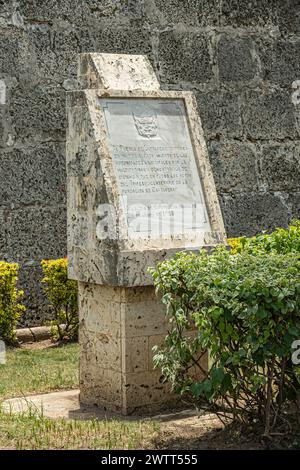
x,y
116,72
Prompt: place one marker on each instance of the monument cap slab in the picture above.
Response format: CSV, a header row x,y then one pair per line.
x,y
116,72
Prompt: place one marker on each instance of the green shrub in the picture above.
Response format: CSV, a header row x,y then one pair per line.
x,y
280,241
10,308
63,299
246,310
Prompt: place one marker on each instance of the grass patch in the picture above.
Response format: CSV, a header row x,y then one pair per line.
x,y
32,431
39,370
30,371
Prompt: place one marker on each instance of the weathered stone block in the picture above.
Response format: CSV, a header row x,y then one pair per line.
x,y
288,14
101,350
67,39
13,51
100,387
112,39
248,214
3,95
136,295
101,309
220,113
6,9
143,391
234,165
147,315
105,351
38,110
50,62
91,66
115,370
280,167
36,232
236,60
91,177
33,175
122,10
135,354
195,13
269,115
184,57
35,12
293,203
280,61
245,13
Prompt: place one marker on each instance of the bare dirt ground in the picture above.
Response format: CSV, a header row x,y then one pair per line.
x,y
208,433
46,343
202,433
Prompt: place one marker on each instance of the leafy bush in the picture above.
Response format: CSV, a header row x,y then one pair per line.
x,y
246,310
280,241
62,295
10,308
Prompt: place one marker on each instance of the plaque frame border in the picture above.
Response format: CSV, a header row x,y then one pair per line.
x,y
200,150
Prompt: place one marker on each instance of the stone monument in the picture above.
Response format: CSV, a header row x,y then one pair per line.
x,y
140,188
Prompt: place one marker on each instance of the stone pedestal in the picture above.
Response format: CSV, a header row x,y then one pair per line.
x,y
118,329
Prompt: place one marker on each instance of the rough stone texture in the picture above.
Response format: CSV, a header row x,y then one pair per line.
x,y
118,329
33,334
236,60
246,13
39,45
178,59
116,72
220,114
254,209
280,61
33,175
235,166
280,166
33,230
269,115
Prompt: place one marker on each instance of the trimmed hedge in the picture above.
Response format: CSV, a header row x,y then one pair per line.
x,y
280,241
10,306
62,294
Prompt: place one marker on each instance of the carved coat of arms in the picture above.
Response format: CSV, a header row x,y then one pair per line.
x,y
145,123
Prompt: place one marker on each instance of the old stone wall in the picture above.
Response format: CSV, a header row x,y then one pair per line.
x,y
240,57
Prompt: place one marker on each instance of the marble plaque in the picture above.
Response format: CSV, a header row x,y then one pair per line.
x,y
155,165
